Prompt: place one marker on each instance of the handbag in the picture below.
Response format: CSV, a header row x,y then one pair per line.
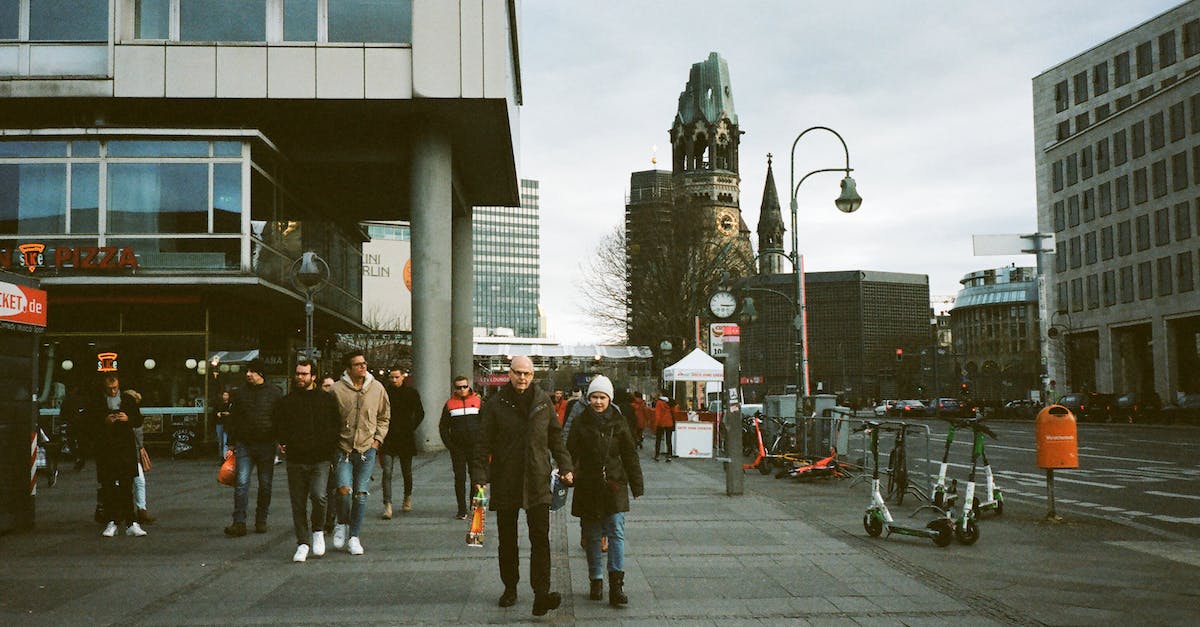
x,y
227,475
558,492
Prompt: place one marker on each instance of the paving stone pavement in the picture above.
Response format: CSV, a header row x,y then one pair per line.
x,y
783,553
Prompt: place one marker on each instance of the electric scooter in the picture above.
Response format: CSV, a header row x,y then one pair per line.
x,y
993,498
943,497
878,519
966,529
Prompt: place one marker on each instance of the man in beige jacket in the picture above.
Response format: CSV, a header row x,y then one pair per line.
x,y
365,411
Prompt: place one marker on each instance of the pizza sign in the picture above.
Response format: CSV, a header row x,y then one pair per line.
x,y
33,256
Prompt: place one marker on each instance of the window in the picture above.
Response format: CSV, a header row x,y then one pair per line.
x,y
1085,163
1162,227
1178,127
222,20
1140,192
1088,205
1122,192
1072,169
1141,227
152,19
371,21
1056,176
1060,256
1183,272
1061,100
1104,193
1061,300
85,198
1063,130
1103,111
10,16
1145,59
1157,132
1124,240
1108,287
33,198
300,20
1060,220
1191,38
1089,248
1158,178
1100,78
1164,276
1166,49
1073,258
340,21
1093,291
1073,210
1118,148
1102,155
1126,284
158,198
1145,272
1121,69
1124,102
1082,121
1106,243
1183,222
1077,294
68,20
1080,83
1179,172
1137,139
1145,92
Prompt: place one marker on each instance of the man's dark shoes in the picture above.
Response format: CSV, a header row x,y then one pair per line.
x,y
99,515
509,598
543,603
596,591
260,527
236,530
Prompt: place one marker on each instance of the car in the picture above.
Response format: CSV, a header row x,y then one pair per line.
x,y
1137,407
1020,409
909,409
1088,406
947,408
884,408
1185,411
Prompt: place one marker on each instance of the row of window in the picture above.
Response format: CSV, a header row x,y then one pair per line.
x,y
1122,238
356,21
1163,276
1126,144
1143,58
1118,193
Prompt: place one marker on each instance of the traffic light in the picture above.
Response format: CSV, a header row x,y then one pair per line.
x,y
965,389
899,354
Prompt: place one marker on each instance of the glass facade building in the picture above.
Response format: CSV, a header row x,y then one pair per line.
x,y
508,264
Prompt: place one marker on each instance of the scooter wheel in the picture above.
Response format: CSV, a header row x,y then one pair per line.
x,y
945,531
999,502
968,532
873,524
764,467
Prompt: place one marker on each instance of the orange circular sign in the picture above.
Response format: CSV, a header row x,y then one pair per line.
x,y
408,274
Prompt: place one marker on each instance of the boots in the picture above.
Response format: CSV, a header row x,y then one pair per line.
x,y
616,593
597,590
145,518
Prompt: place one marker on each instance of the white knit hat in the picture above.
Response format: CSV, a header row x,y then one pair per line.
x,y
601,384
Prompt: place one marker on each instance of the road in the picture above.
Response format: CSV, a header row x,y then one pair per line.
x,y
1140,475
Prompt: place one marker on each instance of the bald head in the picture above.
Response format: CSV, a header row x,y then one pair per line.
x,y
520,373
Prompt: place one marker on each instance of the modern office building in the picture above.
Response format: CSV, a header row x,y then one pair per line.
x,y
857,320
508,265
1117,141
163,163
994,323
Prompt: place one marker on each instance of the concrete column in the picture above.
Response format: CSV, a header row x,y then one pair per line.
x,y
1162,356
1106,380
431,210
462,317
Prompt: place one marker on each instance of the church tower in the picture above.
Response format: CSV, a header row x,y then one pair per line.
x,y
704,167
771,256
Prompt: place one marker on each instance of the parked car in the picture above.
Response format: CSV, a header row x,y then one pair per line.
x,y
1020,409
1089,406
909,409
883,408
1137,407
1186,411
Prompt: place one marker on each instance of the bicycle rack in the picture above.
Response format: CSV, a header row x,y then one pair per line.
x,y
914,428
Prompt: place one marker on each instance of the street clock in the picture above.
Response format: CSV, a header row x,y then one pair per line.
x,y
722,304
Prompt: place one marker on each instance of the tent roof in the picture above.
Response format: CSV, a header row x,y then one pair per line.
x,y
696,366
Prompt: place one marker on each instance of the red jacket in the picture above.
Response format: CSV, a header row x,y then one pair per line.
x,y
664,417
560,408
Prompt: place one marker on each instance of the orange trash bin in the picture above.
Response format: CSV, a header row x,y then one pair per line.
x,y
1057,441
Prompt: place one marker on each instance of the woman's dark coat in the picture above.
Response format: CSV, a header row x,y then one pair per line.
x,y
114,444
519,445
603,441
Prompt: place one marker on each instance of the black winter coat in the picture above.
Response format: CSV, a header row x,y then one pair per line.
x,y
407,413
308,424
252,419
602,446
520,446
113,443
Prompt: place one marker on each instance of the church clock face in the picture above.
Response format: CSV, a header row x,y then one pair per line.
x,y
727,223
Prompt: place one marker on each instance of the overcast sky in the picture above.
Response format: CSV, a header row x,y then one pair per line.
x,y
932,97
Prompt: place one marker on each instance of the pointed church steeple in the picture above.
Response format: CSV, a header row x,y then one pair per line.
x,y
770,228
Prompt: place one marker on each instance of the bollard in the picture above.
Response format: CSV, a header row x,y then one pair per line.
x,y
1057,447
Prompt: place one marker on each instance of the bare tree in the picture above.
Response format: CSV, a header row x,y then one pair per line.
x,y
604,294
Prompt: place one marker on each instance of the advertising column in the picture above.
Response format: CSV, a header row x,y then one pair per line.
x,y
22,320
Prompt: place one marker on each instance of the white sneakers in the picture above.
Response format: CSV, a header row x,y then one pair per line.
x,y
355,546
134,530
318,543
110,530
339,535
301,553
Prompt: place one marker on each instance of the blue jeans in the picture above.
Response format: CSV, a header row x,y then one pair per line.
x,y
612,526
249,455
222,440
354,477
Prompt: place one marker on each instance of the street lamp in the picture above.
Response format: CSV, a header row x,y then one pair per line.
x,y
847,202
309,274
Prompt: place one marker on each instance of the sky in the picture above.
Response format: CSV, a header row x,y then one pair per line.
x,y
933,98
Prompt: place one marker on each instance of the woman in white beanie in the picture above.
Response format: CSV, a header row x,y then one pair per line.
x,y
606,471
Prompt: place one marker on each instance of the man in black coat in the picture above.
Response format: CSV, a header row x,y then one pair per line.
x,y
308,424
251,428
399,445
112,417
520,433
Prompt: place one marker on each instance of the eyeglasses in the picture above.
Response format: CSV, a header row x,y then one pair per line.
x,y
357,364
462,387
522,373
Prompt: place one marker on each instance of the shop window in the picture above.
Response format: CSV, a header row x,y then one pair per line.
x,y
157,198
33,198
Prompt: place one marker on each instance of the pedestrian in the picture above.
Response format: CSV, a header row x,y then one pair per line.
x,y
639,411
607,470
327,384
308,423
364,411
143,466
520,435
222,414
560,405
400,444
251,428
459,428
113,417
664,425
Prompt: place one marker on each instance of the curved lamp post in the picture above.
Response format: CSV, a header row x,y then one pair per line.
x,y
847,202
309,274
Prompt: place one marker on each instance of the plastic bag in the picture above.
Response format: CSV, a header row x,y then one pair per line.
x,y
227,475
558,492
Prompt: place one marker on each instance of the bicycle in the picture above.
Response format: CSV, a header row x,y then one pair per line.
x,y
897,470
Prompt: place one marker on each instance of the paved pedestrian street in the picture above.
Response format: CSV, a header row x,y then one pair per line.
x,y
784,553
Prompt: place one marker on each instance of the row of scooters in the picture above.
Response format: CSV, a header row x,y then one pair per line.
x,y
956,514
